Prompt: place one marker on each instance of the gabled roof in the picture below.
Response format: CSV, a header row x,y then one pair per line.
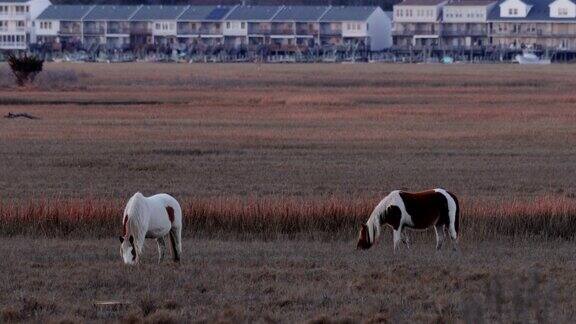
x,y
348,13
158,13
420,2
110,12
204,13
539,11
301,13
253,12
458,3
65,12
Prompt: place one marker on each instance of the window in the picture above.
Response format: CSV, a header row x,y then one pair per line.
x,y
348,26
357,26
227,24
563,12
157,26
242,25
20,23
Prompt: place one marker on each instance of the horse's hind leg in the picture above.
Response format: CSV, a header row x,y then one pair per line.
x,y
161,248
176,243
406,239
453,236
439,236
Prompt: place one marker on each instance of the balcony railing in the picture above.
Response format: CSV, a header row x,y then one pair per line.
x,y
95,31
259,31
305,31
331,32
118,30
140,30
69,31
283,31
12,45
464,32
536,33
412,32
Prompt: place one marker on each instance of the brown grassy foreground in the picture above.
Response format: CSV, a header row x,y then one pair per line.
x,y
289,281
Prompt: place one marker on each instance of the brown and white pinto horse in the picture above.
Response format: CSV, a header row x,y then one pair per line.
x,y
154,217
418,210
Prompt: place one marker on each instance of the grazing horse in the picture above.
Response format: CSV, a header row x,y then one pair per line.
x,y
418,210
151,217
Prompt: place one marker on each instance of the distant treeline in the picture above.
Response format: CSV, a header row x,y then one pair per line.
x,y
385,4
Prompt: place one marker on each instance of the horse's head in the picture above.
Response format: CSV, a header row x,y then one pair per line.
x,y
128,250
364,238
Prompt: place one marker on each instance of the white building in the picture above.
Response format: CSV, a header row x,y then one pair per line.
x,y
417,22
253,28
16,22
369,26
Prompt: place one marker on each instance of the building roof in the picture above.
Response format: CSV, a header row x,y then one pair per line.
x,y
539,11
458,3
421,2
158,13
301,13
204,13
111,12
253,12
355,13
65,12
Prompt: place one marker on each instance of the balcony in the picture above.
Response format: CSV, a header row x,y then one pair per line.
x,y
70,31
412,32
259,31
305,31
283,31
210,31
140,30
118,30
187,30
94,31
12,45
462,33
331,32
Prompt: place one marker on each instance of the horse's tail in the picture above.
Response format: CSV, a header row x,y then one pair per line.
x,y
457,216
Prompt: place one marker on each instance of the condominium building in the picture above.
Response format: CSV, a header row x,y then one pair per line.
x,y
16,20
534,23
273,28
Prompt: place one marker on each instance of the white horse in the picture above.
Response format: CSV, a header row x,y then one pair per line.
x,y
151,217
419,210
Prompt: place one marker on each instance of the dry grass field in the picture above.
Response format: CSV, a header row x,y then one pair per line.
x,y
276,165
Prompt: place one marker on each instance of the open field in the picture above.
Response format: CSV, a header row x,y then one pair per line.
x,y
292,130
276,165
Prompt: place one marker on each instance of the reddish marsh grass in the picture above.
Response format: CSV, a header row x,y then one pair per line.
x,y
272,218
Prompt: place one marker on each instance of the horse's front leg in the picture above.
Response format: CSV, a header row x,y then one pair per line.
x,y
397,236
161,248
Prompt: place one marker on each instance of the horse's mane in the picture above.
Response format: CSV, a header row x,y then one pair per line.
x,y
373,222
135,210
